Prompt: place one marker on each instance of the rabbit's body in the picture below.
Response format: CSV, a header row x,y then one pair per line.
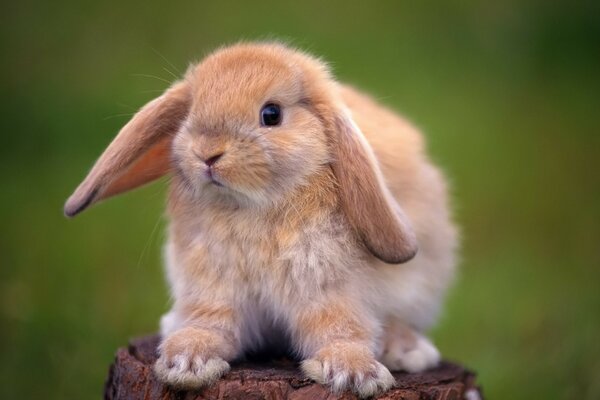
x,y
272,247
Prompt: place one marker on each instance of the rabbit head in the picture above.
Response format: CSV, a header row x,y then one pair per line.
x,y
252,123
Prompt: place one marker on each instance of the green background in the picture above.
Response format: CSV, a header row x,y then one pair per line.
x,y
507,93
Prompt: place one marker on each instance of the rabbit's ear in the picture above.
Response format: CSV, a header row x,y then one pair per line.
x,y
139,154
365,198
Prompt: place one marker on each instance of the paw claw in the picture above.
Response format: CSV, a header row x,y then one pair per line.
x,y
185,374
189,359
349,366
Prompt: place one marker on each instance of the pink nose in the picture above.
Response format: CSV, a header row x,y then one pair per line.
x,y
213,159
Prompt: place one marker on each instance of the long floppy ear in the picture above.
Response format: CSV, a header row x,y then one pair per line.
x,y
366,200
139,154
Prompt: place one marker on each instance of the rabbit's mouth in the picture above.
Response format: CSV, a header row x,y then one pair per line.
x,y
209,173
216,183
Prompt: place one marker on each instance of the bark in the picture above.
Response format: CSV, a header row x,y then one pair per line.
x,y
130,377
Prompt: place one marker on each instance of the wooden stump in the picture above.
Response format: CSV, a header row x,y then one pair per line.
x,y
131,377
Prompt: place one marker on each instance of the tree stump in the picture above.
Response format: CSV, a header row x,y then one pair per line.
x,y
131,377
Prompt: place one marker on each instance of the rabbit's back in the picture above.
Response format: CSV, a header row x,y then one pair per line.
x,y
413,290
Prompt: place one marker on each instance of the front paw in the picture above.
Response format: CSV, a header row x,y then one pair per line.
x,y
191,358
347,365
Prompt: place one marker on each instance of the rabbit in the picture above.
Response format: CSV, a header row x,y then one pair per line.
x,y
302,214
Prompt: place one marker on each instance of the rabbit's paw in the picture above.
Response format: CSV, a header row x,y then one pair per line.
x,y
416,357
351,366
189,359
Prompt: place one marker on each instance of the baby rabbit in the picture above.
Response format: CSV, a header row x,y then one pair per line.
x,y
301,212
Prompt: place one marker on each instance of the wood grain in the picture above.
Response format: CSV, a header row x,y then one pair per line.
x,y
131,378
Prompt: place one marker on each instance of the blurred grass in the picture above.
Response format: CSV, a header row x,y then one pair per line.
x,y
507,93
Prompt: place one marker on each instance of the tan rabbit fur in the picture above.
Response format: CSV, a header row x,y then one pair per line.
x,y
329,233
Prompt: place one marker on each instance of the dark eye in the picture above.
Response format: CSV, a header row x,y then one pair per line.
x,y
270,115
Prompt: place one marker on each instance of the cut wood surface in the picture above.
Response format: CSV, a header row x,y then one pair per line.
x,y
131,377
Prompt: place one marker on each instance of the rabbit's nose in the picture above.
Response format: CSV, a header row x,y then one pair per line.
x,y
212,159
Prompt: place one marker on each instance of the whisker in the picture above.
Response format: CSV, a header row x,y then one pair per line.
x,y
152,76
170,73
133,109
117,116
148,242
167,61
152,91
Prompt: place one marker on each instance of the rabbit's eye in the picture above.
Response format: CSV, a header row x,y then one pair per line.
x,y
270,115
